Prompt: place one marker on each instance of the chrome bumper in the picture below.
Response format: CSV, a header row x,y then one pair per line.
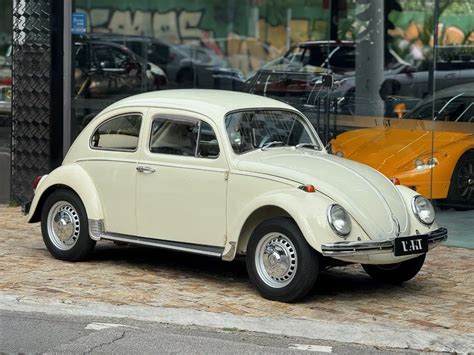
x,y
376,247
5,107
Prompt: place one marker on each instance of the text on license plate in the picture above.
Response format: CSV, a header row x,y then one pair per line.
x,y
410,245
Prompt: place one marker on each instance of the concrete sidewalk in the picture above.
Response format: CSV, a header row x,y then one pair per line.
x,y
439,300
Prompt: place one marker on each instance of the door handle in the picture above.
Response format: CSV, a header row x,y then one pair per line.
x,y
145,169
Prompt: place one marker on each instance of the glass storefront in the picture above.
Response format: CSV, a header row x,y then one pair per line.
x,y
5,97
453,121
362,71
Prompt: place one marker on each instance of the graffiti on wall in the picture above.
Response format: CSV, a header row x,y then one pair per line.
x,y
245,53
173,26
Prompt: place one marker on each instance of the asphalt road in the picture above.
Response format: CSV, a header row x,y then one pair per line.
x,y
24,332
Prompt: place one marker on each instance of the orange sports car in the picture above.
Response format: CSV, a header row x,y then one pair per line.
x,y
433,157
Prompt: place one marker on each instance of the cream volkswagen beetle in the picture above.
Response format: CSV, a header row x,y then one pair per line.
x,y
223,174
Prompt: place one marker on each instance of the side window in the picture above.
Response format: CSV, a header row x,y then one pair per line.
x,y
119,133
160,53
173,136
452,111
110,57
104,56
179,136
81,56
467,115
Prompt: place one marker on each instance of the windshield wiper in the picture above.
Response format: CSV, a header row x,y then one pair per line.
x,y
270,144
308,145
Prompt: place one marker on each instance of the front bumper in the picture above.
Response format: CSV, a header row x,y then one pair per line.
x,y
362,248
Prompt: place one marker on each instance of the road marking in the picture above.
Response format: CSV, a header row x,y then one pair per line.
x,y
309,347
378,335
101,326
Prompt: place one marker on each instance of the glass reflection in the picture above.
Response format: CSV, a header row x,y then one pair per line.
x,y
5,97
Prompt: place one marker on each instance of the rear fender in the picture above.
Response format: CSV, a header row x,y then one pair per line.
x,y
72,177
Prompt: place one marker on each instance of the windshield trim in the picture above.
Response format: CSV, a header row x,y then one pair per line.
x,y
313,134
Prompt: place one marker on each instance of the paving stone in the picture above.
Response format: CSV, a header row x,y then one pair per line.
x,y
440,297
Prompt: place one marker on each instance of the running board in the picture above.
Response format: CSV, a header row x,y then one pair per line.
x,y
165,244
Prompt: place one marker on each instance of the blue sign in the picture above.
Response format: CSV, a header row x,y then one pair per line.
x,y
78,23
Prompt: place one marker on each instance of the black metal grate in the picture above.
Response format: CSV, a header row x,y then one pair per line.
x,y
31,154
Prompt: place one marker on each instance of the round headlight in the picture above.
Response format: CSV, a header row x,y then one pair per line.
x,y
339,220
423,210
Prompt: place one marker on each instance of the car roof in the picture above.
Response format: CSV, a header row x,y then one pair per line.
x,y
211,103
467,89
447,93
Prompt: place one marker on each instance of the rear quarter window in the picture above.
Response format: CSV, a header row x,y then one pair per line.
x,y
118,133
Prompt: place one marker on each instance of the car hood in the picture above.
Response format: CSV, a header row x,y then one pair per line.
x,y
392,148
371,199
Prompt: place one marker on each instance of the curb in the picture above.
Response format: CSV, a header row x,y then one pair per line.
x,y
364,334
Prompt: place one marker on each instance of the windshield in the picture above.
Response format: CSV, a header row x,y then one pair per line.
x,y
255,129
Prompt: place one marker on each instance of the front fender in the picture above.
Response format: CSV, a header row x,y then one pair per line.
x,y
309,211
70,176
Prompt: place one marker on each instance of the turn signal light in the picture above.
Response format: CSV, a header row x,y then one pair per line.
x,y
36,181
307,188
395,181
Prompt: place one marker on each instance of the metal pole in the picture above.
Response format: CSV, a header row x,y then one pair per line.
x,y
288,28
370,59
67,75
432,83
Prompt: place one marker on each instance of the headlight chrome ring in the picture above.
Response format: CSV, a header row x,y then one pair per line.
x,y
339,220
423,210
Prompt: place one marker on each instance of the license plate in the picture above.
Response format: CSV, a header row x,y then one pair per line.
x,y
410,245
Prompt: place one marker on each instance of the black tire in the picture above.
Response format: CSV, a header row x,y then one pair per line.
x,y
461,188
396,273
77,244
300,276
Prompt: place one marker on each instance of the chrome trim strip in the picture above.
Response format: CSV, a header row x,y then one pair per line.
x,y
165,244
352,248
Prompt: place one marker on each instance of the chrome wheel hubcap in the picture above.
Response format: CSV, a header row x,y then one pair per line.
x,y
63,225
276,260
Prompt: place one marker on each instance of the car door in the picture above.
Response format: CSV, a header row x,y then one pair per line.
x,y
182,180
112,166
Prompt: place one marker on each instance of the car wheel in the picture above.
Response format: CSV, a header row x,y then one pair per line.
x,y
461,188
396,273
280,263
65,227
